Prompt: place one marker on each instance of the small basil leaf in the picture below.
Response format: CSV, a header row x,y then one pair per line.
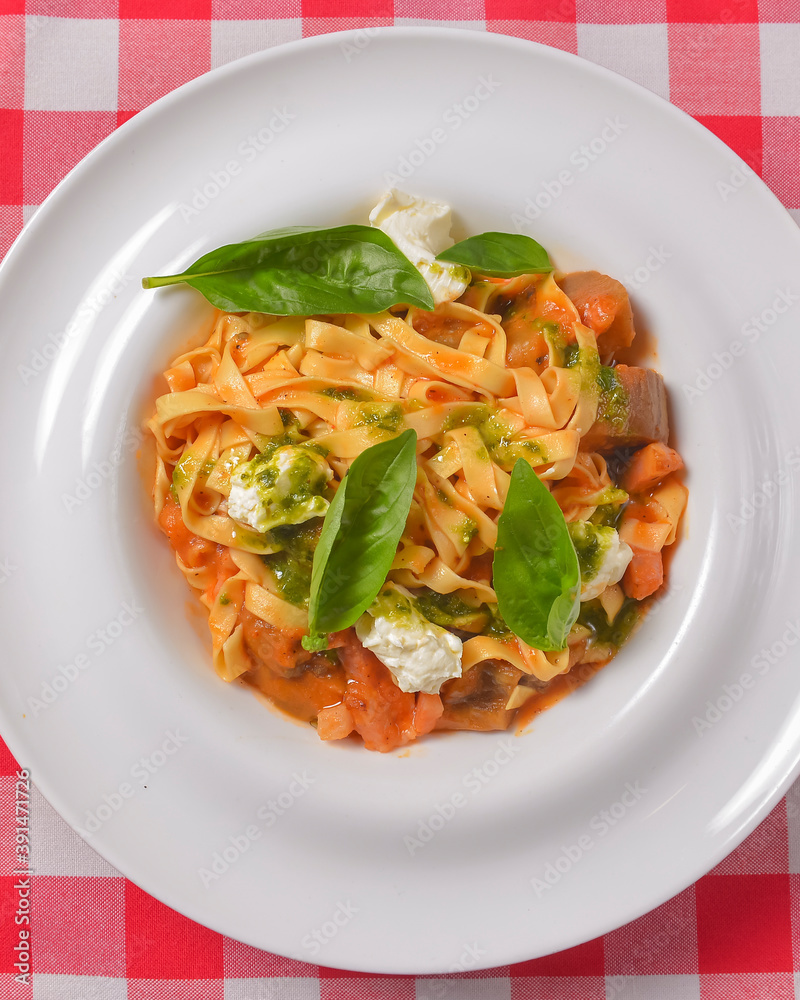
x,y
302,270
499,255
535,571
361,532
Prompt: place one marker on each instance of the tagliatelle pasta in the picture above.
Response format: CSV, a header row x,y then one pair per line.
x,y
516,369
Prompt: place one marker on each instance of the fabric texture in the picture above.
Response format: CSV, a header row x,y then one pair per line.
x,y
71,71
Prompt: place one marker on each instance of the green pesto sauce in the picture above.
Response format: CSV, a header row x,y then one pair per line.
x,y
380,416
288,419
224,599
356,395
450,611
605,633
613,405
393,605
182,471
590,544
607,515
496,626
467,530
291,566
466,416
571,357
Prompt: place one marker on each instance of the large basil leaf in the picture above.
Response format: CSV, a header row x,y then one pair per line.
x,y
360,535
535,573
303,270
499,255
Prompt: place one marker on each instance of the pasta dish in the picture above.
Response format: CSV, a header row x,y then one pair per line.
x,y
507,384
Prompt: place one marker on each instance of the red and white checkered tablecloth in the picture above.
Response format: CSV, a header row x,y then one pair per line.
x,y
71,71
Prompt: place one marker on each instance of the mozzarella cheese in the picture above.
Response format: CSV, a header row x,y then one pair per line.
x,y
284,488
420,655
602,554
420,229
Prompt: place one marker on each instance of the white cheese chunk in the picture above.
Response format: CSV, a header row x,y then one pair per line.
x,y
420,229
285,487
602,555
420,655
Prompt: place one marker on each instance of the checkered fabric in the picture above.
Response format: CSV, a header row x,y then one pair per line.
x,y
71,71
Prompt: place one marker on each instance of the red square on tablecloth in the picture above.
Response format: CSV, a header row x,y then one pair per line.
x,y
155,57
12,61
561,988
166,9
10,226
243,961
583,960
662,942
12,7
621,11
7,763
347,8
54,142
78,924
530,10
778,11
713,11
765,851
11,133
744,923
558,35
348,987
325,25
162,944
9,929
9,860
71,8
748,986
782,158
741,132
714,68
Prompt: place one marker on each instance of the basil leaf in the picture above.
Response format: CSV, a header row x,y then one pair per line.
x,y
292,272
499,255
535,571
360,534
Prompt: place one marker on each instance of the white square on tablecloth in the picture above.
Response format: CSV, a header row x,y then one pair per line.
x,y
653,987
780,80
288,987
47,987
55,847
638,51
233,39
72,64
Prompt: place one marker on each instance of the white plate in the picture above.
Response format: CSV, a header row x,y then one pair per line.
x,y
618,797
